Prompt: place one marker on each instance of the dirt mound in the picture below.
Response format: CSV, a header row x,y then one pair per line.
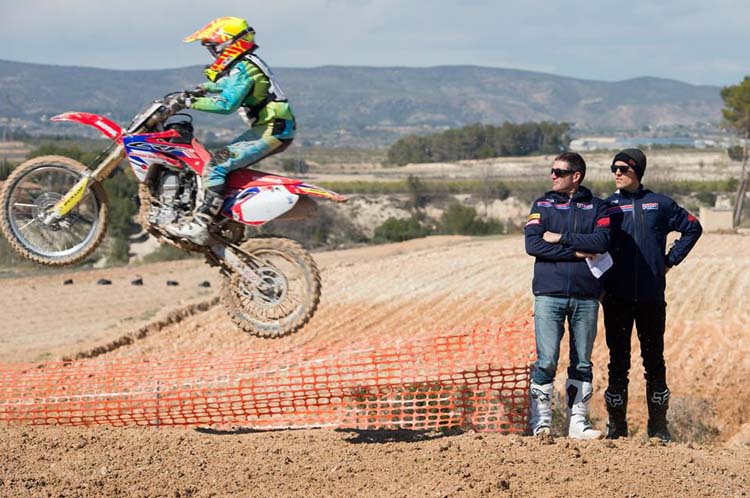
x,y
77,462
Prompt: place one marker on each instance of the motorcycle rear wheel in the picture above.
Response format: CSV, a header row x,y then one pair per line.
x,y
28,194
286,299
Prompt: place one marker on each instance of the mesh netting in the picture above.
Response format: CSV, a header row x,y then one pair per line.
x,y
477,379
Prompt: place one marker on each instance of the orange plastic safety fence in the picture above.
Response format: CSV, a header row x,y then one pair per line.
x,y
477,379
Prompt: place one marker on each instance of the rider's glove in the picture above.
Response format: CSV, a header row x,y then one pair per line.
x,y
198,91
180,102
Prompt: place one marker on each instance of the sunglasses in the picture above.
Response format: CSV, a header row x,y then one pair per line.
x,y
622,169
561,172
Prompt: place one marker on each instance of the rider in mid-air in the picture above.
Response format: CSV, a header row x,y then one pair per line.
x,y
238,81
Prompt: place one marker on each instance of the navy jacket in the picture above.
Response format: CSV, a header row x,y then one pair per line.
x,y
640,223
584,224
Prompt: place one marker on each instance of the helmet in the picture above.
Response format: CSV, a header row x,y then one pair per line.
x,y
226,38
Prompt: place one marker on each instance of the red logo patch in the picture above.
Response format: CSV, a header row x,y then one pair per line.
x,y
603,222
692,218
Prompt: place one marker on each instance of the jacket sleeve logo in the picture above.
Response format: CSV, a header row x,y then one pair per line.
x,y
534,219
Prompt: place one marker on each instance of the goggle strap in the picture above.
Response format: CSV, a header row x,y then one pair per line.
x,y
244,32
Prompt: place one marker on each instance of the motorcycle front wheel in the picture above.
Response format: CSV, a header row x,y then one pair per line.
x,y
287,295
26,198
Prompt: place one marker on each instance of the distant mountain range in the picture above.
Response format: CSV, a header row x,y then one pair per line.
x,y
339,105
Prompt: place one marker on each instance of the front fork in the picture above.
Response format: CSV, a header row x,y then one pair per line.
x,y
229,257
75,194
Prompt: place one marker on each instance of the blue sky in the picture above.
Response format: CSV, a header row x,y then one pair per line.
x,y
695,41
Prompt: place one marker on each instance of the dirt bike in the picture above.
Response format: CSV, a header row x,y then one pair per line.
x,y
55,212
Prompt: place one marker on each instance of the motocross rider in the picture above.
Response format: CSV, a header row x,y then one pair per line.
x,y
238,81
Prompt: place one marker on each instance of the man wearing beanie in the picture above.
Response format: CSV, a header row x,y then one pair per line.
x,y
565,225
640,221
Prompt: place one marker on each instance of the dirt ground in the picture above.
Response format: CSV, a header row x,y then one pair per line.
x,y
422,286
74,462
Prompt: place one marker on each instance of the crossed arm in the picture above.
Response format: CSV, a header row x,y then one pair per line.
x,y
552,245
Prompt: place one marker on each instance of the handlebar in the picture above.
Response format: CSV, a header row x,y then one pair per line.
x,y
166,108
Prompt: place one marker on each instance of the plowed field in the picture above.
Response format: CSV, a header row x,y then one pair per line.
x,y
399,290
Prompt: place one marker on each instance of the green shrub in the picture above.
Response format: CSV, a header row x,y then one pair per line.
x,y
692,420
706,198
121,191
397,230
417,190
118,251
166,252
5,168
736,153
66,149
480,141
462,220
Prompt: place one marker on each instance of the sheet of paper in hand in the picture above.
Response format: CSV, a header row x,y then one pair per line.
x,y
599,264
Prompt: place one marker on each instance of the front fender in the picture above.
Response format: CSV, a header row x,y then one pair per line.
x,y
106,127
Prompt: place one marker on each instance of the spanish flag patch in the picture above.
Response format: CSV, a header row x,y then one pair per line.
x,y
534,219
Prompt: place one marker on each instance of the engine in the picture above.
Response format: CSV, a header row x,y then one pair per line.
x,y
175,193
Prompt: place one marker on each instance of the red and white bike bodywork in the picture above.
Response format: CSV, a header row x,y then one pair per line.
x,y
55,212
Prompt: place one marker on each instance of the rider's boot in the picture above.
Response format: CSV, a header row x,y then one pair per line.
x,y
579,393
541,408
657,398
196,230
616,399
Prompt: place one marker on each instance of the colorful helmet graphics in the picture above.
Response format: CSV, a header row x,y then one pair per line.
x,y
226,38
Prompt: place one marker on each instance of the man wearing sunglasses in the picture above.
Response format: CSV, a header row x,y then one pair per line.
x,y
640,220
565,226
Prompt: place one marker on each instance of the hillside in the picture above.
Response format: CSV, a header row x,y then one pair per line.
x,y
355,105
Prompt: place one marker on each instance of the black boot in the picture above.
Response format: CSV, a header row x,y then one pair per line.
x,y
196,230
616,399
657,398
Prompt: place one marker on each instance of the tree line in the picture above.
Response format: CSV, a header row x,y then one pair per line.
x,y
480,141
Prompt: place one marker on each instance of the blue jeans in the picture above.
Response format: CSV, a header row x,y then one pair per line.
x,y
550,313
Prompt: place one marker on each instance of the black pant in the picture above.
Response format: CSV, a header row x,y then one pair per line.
x,y
650,319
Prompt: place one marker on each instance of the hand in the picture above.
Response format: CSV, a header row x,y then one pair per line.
x,y
198,91
179,102
552,237
579,254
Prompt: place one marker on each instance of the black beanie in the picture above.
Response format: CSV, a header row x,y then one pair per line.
x,y
635,158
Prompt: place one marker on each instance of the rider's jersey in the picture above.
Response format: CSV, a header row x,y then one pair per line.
x,y
249,88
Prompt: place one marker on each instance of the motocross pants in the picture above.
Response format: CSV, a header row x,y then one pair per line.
x,y
247,149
